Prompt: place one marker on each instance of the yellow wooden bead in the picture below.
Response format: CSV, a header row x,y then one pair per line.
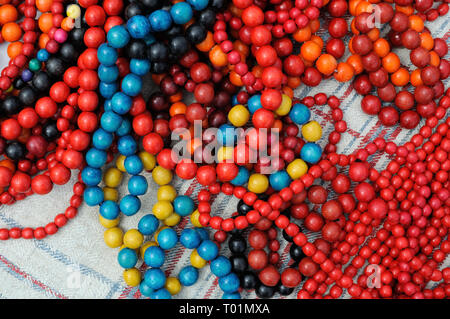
x,y
312,131
132,277
173,285
258,183
196,260
145,246
162,209
194,219
110,194
285,107
166,192
113,177
238,115
161,176
225,153
172,220
297,168
148,160
73,11
108,223
120,163
113,237
133,239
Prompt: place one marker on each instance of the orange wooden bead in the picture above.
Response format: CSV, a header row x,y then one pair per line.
x,y
317,40
277,125
314,25
177,108
288,91
303,34
374,34
14,49
8,13
294,82
217,57
206,44
355,61
353,27
416,78
310,50
381,47
43,39
408,10
67,24
257,71
176,97
241,47
363,6
8,164
344,72
391,62
416,23
11,32
435,60
235,79
43,5
352,6
45,22
326,64
400,77
427,41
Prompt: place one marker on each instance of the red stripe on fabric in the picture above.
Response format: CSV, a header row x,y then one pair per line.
x,y
328,117
30,278
346,93
211,289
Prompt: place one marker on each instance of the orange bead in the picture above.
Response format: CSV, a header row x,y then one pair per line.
x,y
352,6
67,24
11,32
363,6
344,72
427,41
241,47
303,34
408,10
314,25
434,59
317,40
381,47
294,82
206,44
43,5
350,46
416,23
193,144
353,27
43,39
235,10
355,61
310,50
217,57
14,49
277,125
326,64
391,62
45,22
177,108
8,13
374,34
176,97
288,91
235,79
400,77
416,78
257,71
8,164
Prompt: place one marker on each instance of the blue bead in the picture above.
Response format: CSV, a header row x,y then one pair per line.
x,y
145,289
102,139
279,180
221,266
181,13
167,238
161,294
203,233
110,121
43,55
107,90
139,67
149,39
91,176
232,295
155,278
208,250
254,103
127,145
107,106
127,258
108,74
133,165
242,177
300,114
109,210
96,158
27,75
160,20
154,257
130,205
93,196
121,103
198,4
226,135
132,84
118,37
138,26
311,153
124,128
148,225
188,276
190,238
137,185
107,55
229,283
183,205
234,100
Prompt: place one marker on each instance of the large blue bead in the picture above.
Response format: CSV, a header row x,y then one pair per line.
x,y
127,145
118,37
108,74
132,84
148,225
121,103
138,26
300,114
96,158
130,205
107,55
93,196
102,139
160,20
181,12
311,153
110,121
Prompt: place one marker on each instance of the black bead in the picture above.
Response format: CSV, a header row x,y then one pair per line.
x,y
283,290
134,9
196,33
41,81
160,67
27,95
174,30
217,5
68,52
263,291
76,36
296,252
239,263
287,237
11,105
243,208
178,45
19,83
50,131
158,52
263,197
55,66
152,5
207,18
136,49
248,280
15,151
237,244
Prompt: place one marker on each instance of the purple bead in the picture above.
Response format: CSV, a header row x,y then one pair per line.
x,y
27,75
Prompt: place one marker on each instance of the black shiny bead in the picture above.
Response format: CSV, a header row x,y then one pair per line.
x,y
41,81
207,18
236,232
134,9
174,30
15,151
158,52
178,46
68,52
239,263
55,66
196,33
11,105
217,5
263,291
159,67
296,252
283,290
27,95
50,131
248,280
287,237
76,36
243,208
152,5
237,244
137,49
19,83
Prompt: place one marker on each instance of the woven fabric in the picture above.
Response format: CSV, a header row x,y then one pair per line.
x,y
75,263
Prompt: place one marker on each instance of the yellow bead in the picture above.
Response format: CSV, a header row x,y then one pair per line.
x,y
108,223
144,248
73,11
258,183
194,219
297,168
196,260
312,131
120,163
148,160
166,192
173,285
155,236
162,209
161,176
113,237
110,194
225,153
10,89
285,107
172,220
133,239
132,277
113,177
238,115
